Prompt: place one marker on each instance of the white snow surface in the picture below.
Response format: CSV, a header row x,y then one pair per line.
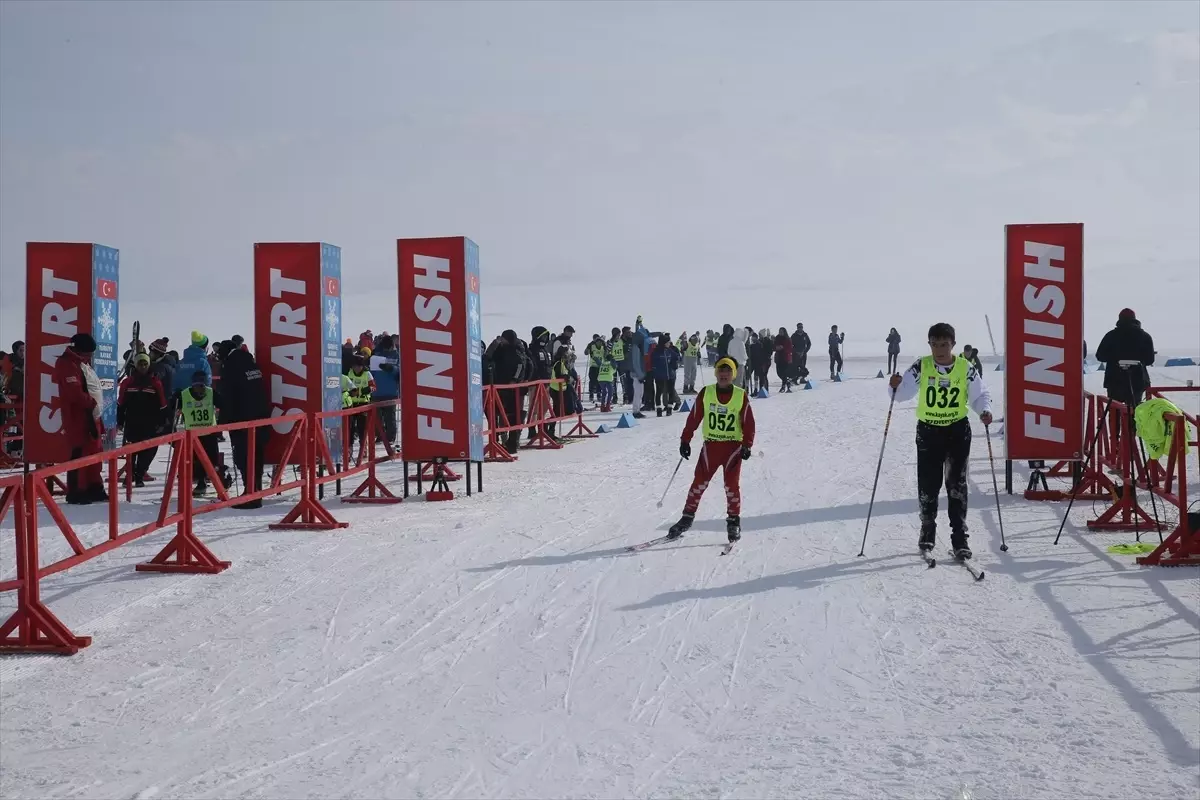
x,y
507,645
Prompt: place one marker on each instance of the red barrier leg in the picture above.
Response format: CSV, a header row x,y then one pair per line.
x,y
33,628
185,553
374,489
309,514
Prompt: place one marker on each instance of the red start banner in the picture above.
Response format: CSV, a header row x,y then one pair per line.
x,y
70,288
1043,342
441,382
298,330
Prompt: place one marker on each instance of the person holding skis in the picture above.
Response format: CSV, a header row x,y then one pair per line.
x,y
944,386
722,412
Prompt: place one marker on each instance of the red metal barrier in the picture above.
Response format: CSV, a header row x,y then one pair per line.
x,y
1109,447
36,628
1182,546
542,412
371,490
308,513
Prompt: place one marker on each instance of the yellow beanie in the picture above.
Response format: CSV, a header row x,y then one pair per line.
x,y
726,362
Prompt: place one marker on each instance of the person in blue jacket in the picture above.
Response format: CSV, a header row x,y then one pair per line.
x,y
385,368
664,362
193,360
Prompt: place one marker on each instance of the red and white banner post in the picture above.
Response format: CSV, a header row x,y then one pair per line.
x,y
70,288
1043,343
441,352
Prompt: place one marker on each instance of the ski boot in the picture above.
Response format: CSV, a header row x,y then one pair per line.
x,y
958,544
669,410
680,527
733,526
928,538
658,411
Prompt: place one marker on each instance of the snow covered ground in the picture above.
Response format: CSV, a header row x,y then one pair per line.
x,y
507,645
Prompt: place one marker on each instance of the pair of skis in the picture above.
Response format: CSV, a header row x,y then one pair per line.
x,y
931,562
635,548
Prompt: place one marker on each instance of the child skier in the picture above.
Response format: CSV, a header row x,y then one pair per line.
x,y
606,374
722,411
944,385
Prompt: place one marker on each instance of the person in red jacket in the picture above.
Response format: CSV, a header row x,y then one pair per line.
x,y
82,404
783,359
722,412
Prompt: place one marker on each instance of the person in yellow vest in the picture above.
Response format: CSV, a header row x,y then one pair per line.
x,y
944,386
691,362
606,376
199,405
562,398
722,412
357,386
596,351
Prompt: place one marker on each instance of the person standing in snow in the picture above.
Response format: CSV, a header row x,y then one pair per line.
x,y
945,386
835,354
723,414
783,360
801,344
691,362
893,343
595,354
736,349
664,362
193,360
82,403
244,399
141,407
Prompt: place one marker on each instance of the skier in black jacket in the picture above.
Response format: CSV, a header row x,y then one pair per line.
x,y
723,342
243,399
801,344
141,408
539,356
508,354
1126,351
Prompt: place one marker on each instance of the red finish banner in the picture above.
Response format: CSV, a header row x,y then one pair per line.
x,y
58,305
293,328
435,348
1043,342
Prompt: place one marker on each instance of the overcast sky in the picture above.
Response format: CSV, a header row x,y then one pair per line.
x,y
698,163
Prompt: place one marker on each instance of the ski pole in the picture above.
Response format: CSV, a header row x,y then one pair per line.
x,y
862,551
673,474
1087,460
995,487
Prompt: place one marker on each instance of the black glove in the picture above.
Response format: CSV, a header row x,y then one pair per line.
x,y
745,453
685,450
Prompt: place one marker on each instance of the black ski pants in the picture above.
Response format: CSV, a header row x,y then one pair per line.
x,y
835,360
943,452
893,363
240,442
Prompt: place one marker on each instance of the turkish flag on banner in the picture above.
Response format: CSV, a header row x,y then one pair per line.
x,y
107,290
331,286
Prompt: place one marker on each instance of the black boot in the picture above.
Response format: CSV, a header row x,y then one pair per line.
x,y
928,538
733,526
958,543
680,527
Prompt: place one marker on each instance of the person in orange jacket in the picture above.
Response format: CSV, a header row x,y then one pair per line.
x,y
82,404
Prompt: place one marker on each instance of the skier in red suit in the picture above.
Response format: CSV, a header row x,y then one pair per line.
x,y
82,402
722,412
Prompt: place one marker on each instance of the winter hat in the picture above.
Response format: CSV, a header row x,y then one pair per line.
x,y
509,336
726,362
83,343
237,340
17,345
141,358
1127,313
158,346
199,339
